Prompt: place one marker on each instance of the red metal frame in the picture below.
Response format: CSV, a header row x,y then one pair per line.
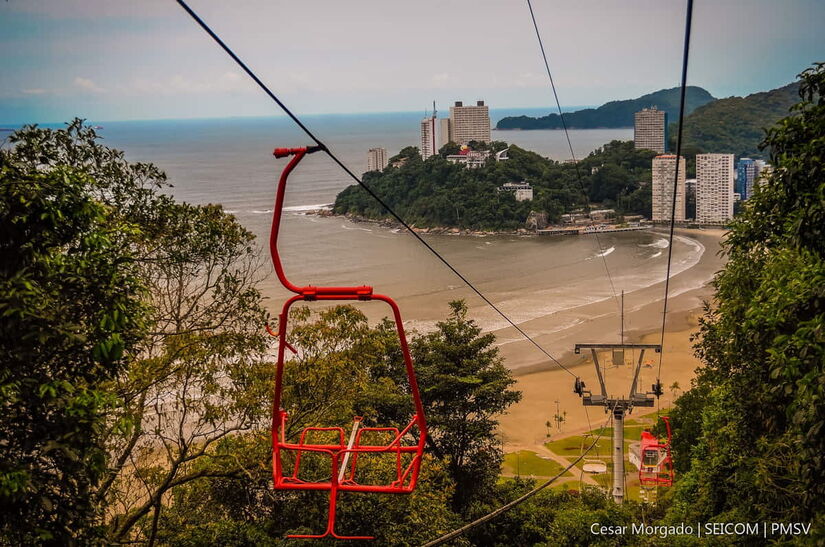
x,y
400,444
654,468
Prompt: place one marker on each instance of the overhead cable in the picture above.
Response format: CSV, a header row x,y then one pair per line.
x,y
682,92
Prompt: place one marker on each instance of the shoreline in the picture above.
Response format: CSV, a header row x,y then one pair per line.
x,y
684,321
545,386
525,232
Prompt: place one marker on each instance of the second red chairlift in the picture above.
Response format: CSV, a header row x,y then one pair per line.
x,y
656,463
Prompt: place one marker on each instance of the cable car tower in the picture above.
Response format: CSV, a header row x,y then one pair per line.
x,y
618,405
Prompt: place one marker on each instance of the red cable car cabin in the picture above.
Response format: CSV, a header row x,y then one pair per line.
x,y
342,450
656,463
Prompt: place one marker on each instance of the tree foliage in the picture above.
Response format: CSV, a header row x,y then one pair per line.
x,y
186,380
344,367
465,388
70,315
755,416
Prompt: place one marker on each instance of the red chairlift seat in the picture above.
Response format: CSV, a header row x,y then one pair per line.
x,y
332,442
656,465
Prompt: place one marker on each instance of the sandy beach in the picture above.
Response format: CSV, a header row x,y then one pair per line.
x,y
546,387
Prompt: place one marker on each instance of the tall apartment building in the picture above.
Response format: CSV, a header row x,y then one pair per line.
x,y
470,123
714,188
664,173
428,146
376,159
445,132
746,171
650,129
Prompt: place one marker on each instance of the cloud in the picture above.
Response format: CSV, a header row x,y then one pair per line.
x,y
88,85
34,91
443,80
182,85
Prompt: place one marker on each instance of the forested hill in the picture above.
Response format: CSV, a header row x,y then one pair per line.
x,y
736,125
614,113
436,193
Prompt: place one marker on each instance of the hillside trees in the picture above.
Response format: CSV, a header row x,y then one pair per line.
x,y
192,376
756,414
70,316
614,113
435,193
735,125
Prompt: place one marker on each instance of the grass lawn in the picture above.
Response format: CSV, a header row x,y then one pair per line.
x,y
526,463
572,446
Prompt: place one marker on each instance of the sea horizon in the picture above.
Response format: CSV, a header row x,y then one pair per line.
x,y
495,115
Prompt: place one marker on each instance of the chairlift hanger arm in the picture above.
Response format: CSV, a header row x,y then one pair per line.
x,y
578,347
309,292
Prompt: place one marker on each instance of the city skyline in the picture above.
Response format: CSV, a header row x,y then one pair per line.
x,y
112,61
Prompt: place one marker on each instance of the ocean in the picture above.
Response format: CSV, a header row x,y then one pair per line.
x,y
546,284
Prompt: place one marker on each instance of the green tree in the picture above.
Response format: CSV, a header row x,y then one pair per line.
x,y
610,181
196,374
758,449
70,315
465,386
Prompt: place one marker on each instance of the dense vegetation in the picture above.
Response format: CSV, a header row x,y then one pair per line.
x,y
614,113
120,306
437,193
70,311
735,125
750,435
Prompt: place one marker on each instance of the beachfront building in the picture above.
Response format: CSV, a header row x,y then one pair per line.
x,y
650,129
469,123
745,177
714,188
522,190
664,173
376,159
428,148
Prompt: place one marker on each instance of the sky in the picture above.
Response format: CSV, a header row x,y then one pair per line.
x,y
121,60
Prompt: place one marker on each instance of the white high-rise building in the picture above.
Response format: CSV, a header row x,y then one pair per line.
x,y
428,137
470,123
714,188
445,132
664,173
376,159
650,129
